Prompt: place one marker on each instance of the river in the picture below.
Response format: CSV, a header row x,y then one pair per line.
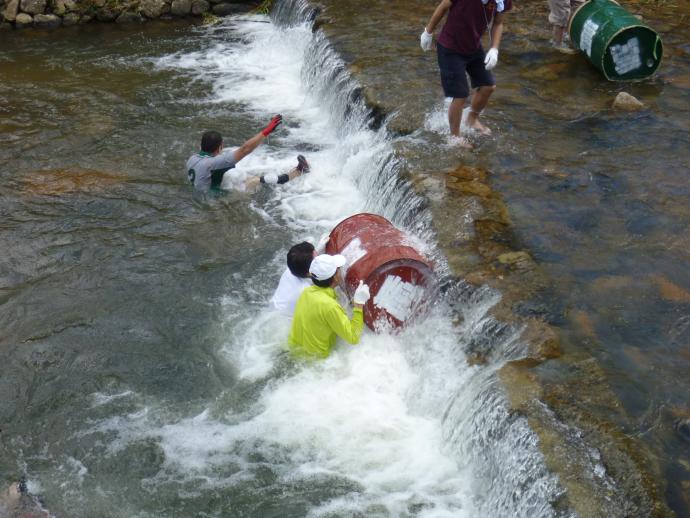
x,y
141,373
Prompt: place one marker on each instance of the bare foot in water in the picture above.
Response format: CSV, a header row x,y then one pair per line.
x,y
480,128
461,142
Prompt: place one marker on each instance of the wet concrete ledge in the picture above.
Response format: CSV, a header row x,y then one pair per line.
x,y
560,389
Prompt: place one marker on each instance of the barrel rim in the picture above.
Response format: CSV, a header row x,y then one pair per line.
x,y
584,4
378,216
392,262
608,45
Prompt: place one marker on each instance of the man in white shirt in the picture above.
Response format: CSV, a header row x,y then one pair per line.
x,y
294,279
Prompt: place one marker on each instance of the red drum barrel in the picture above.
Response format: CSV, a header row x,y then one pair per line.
x,y
401,280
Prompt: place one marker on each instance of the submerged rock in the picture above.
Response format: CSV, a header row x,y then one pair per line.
x,y
670,291
683,429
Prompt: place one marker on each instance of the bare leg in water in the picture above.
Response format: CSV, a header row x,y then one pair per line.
x,y
479,102
454,119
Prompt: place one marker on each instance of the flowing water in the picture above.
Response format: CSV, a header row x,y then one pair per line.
x,y
144,375
141,372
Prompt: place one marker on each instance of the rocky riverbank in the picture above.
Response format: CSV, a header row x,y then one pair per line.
x,y
50,14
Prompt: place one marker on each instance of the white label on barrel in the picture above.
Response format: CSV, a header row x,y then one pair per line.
x,y
353,252
398,297
626,57
589,29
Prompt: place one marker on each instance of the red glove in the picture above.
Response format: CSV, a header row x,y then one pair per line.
x,y
275,122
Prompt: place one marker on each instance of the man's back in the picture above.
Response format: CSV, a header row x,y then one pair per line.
x,y
205,171
289,289
318,319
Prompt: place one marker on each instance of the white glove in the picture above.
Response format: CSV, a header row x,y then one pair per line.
x,y
425,40
361,294
321,245
491,59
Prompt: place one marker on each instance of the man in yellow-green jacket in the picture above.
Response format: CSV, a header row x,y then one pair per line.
x,y
319,318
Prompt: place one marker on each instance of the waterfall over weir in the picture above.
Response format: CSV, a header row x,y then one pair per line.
x,y
507,476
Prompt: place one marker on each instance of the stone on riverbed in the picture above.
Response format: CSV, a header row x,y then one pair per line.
x,y
33,6
47,21
200,7
152,8
625,101
70,19
23,20
64,6
10,11
181,7
107,14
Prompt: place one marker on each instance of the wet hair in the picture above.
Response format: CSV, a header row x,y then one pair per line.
x,y
322,284
299,259
211,141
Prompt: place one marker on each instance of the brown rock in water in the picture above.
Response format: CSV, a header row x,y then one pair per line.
x,y
669,291
522,384
57,182
542,341
519,260
625,101
584,323
548,72
468,173
471,188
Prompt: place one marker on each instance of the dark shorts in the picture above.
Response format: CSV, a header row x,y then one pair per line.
x,y
455,67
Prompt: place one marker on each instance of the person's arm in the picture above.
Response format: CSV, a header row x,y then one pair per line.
x,y
248,147
251,144
348,330
497,31
438,15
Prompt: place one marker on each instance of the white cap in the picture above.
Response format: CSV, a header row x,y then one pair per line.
x,y
324,266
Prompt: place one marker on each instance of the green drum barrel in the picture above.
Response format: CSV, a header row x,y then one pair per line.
x,y
616,42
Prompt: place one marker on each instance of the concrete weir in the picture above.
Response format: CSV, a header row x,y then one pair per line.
x,y
556,385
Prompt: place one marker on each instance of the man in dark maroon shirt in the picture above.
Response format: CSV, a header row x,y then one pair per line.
x,y
460,53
